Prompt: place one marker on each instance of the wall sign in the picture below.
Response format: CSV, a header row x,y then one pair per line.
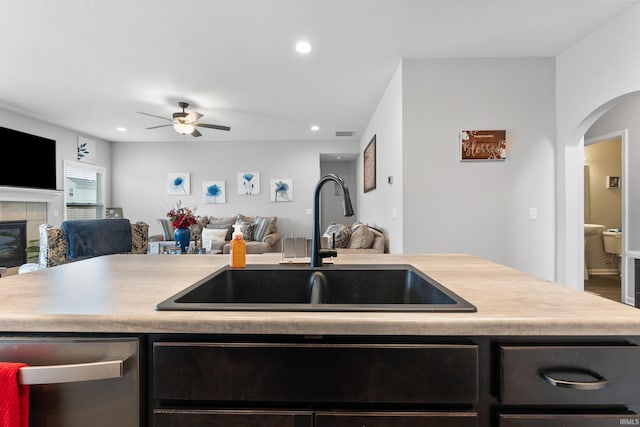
x,y
483,145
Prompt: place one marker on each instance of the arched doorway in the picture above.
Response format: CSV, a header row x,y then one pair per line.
x,y
572,242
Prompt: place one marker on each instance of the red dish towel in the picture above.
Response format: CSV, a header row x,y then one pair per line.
x,y
14,398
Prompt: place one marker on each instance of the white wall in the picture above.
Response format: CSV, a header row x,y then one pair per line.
x,y
140,177
480,208
383,207
66,148
591,77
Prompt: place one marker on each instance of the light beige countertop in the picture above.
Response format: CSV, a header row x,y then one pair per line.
x,y
118,294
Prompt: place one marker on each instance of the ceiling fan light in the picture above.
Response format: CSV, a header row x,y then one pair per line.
x,y
184,128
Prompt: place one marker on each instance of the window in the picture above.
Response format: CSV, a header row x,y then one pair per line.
x,y
83,191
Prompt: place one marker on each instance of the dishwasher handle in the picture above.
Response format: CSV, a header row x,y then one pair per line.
x,y
56,374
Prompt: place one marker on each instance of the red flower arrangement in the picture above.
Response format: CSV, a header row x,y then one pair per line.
x,y
182,217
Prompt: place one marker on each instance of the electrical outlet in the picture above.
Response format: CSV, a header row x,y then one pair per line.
x,y
533,214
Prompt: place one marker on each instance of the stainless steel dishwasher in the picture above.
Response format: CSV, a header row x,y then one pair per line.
x,y
78,381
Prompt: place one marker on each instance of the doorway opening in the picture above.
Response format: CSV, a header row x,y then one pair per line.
x,y
343,165
604,207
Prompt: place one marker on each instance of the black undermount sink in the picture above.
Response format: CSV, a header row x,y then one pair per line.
x,y
396,287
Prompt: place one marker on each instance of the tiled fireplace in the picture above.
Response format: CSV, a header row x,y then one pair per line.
x,y
33,206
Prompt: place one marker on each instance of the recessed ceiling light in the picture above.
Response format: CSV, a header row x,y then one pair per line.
x,y
315,128
303,47
121,129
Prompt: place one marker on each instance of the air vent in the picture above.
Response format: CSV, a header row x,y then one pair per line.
x,y
345,133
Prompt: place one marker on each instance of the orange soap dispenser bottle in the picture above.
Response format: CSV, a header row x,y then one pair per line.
x,y
237,248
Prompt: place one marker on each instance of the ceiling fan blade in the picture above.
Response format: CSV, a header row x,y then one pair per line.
x,y
153,115
196,133
159,126
193,116
206,125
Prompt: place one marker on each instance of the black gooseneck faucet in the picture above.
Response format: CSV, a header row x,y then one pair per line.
x,y
316,253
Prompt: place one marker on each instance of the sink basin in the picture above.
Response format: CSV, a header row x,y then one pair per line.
x,y
593,229
396,287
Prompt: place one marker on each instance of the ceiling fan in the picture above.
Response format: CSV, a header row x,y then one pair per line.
x,y
186,123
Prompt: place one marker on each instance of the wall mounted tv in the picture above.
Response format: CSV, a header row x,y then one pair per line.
x,y
35,157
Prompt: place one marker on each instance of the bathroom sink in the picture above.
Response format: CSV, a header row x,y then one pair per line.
x,y
593,229
396,287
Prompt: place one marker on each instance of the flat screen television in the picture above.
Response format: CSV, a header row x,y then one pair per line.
x,y
35,157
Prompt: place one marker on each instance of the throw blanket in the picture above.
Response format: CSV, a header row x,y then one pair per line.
x,y
14,398
88,238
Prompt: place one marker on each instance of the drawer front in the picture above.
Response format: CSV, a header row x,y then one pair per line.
x,y
316,373
229,418
575,375
397,419
568,420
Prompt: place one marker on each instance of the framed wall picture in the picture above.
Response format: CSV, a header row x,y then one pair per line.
x,y
214,192
248,183
613,181
281,190
178,183
370,165
483,145
86,150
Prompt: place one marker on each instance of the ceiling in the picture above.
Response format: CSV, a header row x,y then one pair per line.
x,y
91,66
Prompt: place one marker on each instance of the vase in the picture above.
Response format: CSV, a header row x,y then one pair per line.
x,y
182,237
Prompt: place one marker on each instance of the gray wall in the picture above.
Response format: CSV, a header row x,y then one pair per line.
x,y
383,207
140,177
480,208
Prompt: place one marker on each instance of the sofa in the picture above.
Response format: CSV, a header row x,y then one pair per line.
x,y
214,233
81,239
357,238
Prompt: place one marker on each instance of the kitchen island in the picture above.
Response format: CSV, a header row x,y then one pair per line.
x,y
118,294
535,353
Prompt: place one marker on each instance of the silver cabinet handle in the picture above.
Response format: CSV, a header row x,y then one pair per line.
x,y
55,374
599,383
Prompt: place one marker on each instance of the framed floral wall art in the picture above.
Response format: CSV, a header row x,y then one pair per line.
x,y
86,150
178,183
249,183
214,192
281,190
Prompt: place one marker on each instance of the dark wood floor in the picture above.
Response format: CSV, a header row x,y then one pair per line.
x,y
606,286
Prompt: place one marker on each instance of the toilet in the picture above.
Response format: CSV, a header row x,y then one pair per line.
x,y
613,243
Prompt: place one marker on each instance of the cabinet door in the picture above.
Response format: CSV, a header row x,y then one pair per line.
x,y
230,418
396,419
568,420
240,372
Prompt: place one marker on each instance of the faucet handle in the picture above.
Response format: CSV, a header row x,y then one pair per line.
x,y
326,253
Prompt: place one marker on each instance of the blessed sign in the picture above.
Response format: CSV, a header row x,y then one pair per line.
x,y
483,145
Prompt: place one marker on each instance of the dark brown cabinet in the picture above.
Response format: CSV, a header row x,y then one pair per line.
x,y
390,384
568,420
394,382
231,418
569,385
298,373
396,419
